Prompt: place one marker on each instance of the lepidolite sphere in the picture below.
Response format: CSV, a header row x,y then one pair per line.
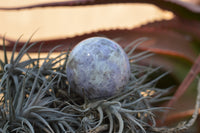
x,y
97,68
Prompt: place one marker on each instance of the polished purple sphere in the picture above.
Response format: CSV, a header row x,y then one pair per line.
x,y
97,68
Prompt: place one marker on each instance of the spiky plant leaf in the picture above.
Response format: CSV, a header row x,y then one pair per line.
x,y
37,98
26,97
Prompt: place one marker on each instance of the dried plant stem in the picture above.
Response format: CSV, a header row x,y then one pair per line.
x,y
99,129
179,115
186,82
196,112
185,125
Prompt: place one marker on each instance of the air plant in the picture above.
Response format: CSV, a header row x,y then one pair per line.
x,y
27,96
37,97
131,109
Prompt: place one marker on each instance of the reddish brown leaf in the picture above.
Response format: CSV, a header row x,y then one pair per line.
x,y
176,117
192,74
179,8
161,41
194,71
191,29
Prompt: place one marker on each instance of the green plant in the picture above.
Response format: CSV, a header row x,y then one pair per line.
x,y
27,104
36,98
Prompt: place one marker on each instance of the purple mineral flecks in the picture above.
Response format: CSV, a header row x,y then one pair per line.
x,y
97,68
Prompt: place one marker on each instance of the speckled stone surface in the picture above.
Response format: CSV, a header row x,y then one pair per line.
x,y
97,68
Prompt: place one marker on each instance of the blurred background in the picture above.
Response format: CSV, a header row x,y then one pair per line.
x,y
70,21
